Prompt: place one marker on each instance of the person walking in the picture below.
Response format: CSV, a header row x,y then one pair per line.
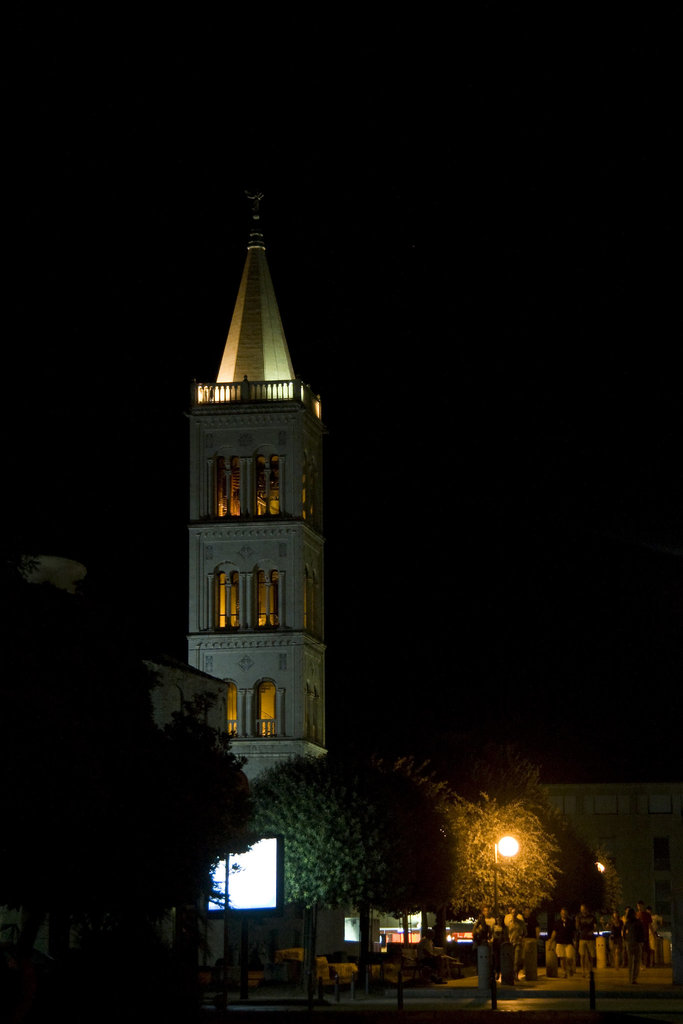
x,y
516,934
633,943
499,935
655,928
533,930
616,939
562,935
586,927
645,917
482,932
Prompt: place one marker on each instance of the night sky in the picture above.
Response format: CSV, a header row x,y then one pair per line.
x,y
473,236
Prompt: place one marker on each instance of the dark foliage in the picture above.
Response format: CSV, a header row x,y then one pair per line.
x,y
103,813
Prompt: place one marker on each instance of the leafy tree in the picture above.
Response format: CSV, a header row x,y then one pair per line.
x,y
611,883
76,714
414,807
506,775
106,819
580,881
197,807
335,849
337,817
527,878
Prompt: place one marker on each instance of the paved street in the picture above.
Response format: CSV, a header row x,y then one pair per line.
x,y
652,998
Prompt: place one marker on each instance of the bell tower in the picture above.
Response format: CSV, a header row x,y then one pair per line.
x,y
255,532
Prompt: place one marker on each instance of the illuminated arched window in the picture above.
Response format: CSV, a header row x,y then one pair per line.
x,y
268,596
265,713
227,486
221,487
227,600
235,507
267,485
231,709
274,486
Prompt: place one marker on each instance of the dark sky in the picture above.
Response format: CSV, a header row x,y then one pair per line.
x,y
473,235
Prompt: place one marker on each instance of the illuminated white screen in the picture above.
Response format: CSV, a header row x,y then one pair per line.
x,y
252,878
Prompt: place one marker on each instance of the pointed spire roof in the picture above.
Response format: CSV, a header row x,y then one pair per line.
x,y
256,346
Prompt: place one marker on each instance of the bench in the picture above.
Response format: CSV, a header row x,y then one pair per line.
x,y
328,973
410,965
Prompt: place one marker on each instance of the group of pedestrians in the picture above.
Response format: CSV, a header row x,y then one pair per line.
x,y
632,939
574,935
518,926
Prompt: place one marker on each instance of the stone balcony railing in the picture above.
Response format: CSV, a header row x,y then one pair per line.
x,y
256,391
266,727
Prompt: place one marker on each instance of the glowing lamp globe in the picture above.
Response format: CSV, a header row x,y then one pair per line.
x,y
508,846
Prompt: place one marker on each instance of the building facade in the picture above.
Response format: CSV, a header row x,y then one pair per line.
x,y
640,826
256,620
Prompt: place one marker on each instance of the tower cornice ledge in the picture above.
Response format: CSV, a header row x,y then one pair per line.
x,y
243,641
284,526
250,392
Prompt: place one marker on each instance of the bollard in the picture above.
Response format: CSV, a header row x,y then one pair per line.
x,y
601,951
336,987
530,959
399,989
550,960
484,966
507,964
591,991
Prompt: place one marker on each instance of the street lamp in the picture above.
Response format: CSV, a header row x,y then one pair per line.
x,y
506,847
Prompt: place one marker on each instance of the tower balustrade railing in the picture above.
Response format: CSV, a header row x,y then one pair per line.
x,y
266,727
227,393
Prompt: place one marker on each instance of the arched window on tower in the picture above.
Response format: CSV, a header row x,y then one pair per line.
x,y
266,724
227,600
227,486
274,486
221,487
235,507
268,598
231,709
267,485
308,486
309,601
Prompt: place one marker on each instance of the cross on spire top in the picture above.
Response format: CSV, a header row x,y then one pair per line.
x,y
255,198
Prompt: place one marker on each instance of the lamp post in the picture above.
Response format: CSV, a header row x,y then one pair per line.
x,y
506,847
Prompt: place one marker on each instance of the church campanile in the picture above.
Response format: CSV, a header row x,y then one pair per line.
x,y
256,543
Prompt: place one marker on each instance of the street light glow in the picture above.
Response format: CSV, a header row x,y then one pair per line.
x,y
508,846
